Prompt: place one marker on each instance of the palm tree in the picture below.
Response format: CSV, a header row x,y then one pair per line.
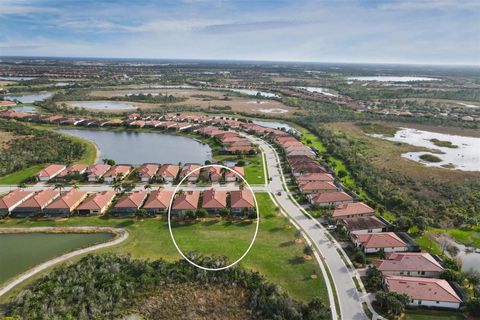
x,y
104,160
117,187
148,186
74,184
22,185
59,186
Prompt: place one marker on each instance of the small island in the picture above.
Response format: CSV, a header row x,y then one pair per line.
x,y
430,158
442,143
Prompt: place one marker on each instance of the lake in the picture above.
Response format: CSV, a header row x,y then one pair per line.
x,y
255,92
274,125
30,98
323,91
392,79
132,147
25,109
20,252
103,105
465,156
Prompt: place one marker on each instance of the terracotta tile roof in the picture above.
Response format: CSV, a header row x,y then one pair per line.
x,y
239,170
380,240
363,223
240,148
80,168
423,288
188,200
118,169
350,209
317,185
168,170
97,201
242,199
189,167
315,177
408,261
13,197
98,169
158,199
68,200
332,197
40,199
132,200
51,170
147,170
214,199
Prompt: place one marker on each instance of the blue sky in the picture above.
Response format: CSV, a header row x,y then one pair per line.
x,y
408,31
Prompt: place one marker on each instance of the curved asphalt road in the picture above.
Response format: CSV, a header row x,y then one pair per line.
x,y
349,297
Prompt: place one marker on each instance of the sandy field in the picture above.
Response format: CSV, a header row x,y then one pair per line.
x,y
205,99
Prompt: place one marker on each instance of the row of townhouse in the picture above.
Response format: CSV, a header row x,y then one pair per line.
x,y
147,172
51,203
413,273
231,141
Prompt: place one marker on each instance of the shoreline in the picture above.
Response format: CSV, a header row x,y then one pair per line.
x,y
120,235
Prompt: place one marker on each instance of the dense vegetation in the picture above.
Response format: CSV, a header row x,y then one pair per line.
x,y
420,202
34,146
107,286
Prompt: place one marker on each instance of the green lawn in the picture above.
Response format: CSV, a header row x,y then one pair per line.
x,y
254,171
432,315
428,244
274,253
19,176
467,237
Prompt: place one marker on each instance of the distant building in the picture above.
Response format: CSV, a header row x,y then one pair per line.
x,y
13,199
50,172
375,242
214,200
36,203
65,204
242,202
158,201
129,204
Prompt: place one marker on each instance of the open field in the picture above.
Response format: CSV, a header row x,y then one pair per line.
x,y
274,253
19,176
204,99
386,155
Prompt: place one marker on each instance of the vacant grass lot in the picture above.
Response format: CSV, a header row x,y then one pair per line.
x,y
274,253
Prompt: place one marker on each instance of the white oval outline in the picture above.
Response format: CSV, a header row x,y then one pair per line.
x,y
170,224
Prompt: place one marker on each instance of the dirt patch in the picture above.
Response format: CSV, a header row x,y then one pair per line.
x,y
386,154
5,138
204,99
192,301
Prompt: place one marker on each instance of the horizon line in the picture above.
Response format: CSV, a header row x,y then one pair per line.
x,y
248,60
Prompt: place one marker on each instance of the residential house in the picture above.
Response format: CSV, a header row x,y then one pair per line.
x,y
213,173
330,199
192,171
352,210
417,264
50,172
65,204
129,204
158,201
375,242
317,187
147,171
428,292
13,199
214,200
186,201
96,203
366,224
36,203
97,171
168,172
74,169
314,177
117,173
242,202
233,174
